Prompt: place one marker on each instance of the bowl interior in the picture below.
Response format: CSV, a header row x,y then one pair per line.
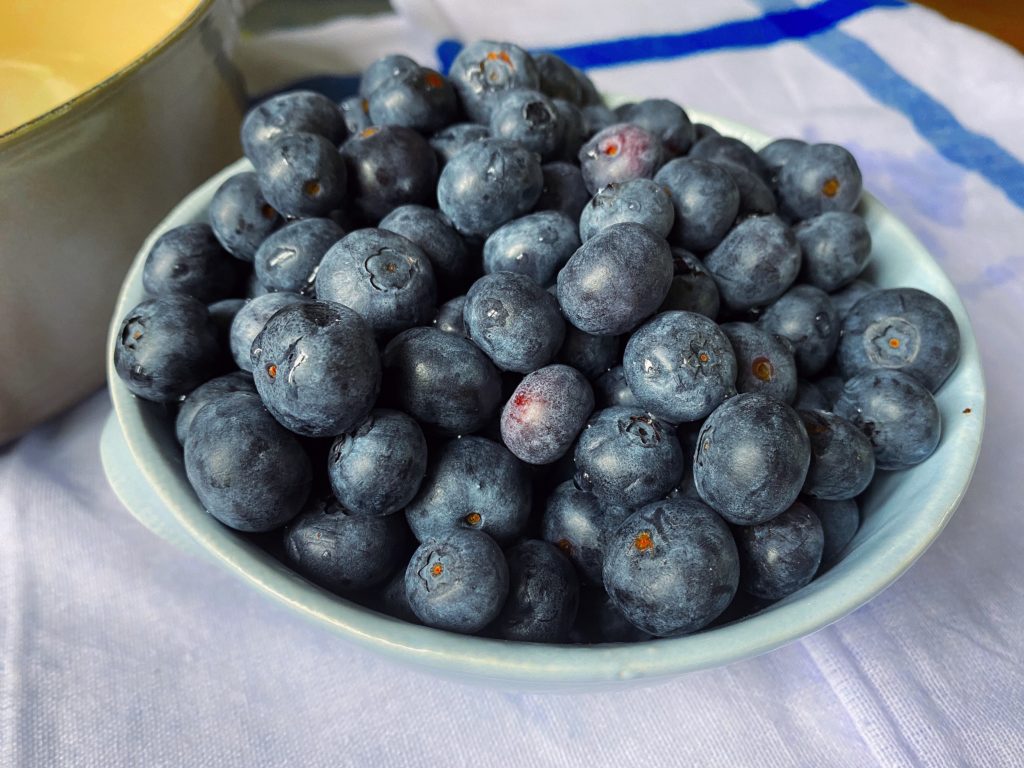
x,y
902,513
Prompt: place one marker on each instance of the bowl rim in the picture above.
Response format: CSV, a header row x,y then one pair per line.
x,y
504,662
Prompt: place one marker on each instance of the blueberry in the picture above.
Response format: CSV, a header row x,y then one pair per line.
x,y
250,319
291,112
536,245
384,277
241,217
543,595
764,361
449,141
389,167
384,70
342,551
819,178
680,366
558,80
487,184
573,132
302,174
449,316
421,99
728,151
615,280
563,190
248,471
441,379
755,263
377,468
663,118
590,355
831,387
597,117
780,556
775,154
189,260
842,459
809,397
289,258
237,381
839,523
546,412
640,201
845,299
458,582
672,567
703,130
896,412
756,197
317,368
433,232
529,118
579,523
472,483
619,153
628,457
805,315
513,320
692,288
483,71
390,598
752,458
167,347
835,247
355,111
612,389
589,92
598,620
706,202
222,315
900,329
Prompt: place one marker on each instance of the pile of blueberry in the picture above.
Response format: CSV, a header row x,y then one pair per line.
x,y
485,354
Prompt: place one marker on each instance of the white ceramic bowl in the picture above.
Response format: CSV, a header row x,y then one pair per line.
x,y
902,513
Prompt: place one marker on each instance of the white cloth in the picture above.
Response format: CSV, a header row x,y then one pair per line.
x,y
117,649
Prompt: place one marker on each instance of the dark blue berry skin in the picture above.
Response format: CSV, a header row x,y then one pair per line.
x,y
248,471
846,298
818,178
384,70
222,314
612,389
529,118
809,397
706,201
558,80
579,523
302,174
458,582
543,595
665,119
376,469
780,556
288,259
805,315
250,319
590,355
702,130
597,117
355,111
546,412
573,130
237,381
615,280
472,483
680,366
775,154
389,167
590,94
752,458
755,264
484,71
756,197
384,277
692,288
900,329
342,551
563,190
672,567
599,620
449,141
421,99
292,112
167,347
619,153
487,184
628,457
830,387
449,316
433,232
536,245
640,201
514,321
839,523
835,248
241,217
726,150
443,380
842,459
764,361
391,599
189,260
317,368
896,412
